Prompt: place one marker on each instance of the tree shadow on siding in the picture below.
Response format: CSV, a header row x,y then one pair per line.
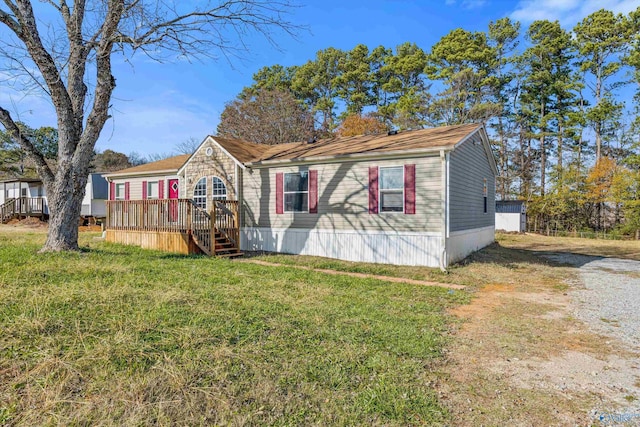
x,y
353,211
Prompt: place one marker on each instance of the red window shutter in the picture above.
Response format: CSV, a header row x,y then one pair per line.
x,y
112,191
144,190
161,189
410,189
313,191
126,191
279,193
373,189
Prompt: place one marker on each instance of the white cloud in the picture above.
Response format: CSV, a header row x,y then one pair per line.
x,y
568,12
467,4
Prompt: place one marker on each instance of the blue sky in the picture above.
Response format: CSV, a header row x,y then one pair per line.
x,y
156,106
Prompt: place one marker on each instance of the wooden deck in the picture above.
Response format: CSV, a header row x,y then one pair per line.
x,y
22,207
175,225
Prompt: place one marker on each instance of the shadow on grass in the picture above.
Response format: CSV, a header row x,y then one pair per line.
x,y
511,257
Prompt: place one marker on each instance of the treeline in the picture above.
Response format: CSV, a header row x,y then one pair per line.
x,y
557,103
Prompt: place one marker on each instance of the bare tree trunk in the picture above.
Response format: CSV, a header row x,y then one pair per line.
x,y
560,147
543,153
65,203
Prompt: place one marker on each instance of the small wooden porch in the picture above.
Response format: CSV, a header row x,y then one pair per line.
x,y
23,207
175,225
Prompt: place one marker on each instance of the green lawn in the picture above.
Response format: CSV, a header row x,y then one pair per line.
x,y
122,336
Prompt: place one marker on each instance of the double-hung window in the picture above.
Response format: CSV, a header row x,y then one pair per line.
x,y
120,191
296,192
152,190
392,189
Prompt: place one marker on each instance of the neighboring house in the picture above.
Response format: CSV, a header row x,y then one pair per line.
x,y
21,197
511,215
155,180
423,197
96,193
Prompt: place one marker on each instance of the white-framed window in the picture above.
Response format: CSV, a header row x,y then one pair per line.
x,y
152,190
219,189
391,189
296,192
120,191
200,193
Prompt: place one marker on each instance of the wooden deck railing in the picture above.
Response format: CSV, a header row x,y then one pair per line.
x,y
7,210
22,206
149,215
225,218
176,215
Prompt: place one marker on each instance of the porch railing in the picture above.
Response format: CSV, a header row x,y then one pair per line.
x,y
27,206
149,215
176,215
225,218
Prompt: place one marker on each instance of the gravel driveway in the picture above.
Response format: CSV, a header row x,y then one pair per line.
x,y
609,302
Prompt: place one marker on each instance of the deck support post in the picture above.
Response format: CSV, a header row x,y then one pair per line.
x,y
212,228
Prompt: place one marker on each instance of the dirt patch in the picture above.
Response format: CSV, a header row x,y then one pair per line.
x,y
30,222
90,228
520,358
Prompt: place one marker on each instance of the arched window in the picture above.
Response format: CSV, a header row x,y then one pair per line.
x,y
200,193
219,189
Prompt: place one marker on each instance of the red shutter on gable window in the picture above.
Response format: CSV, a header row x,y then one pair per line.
x,y
410,189
144,190
279,192
112,191
161,189
126,191
313,191
373,189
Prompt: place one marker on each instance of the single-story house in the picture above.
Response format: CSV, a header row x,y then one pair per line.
x,y
27,197
423,197
155,180
511,215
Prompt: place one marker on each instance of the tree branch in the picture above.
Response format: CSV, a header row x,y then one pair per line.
x,y
44,171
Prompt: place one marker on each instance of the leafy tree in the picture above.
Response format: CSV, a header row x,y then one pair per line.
x,y
503,40
275,77
356,124
268,117
13,159
602,39
462,60
547,88
71,62
405,86
354,80
110,161
316,83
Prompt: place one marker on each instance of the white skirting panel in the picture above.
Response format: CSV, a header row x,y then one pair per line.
x,y
462,243
401,248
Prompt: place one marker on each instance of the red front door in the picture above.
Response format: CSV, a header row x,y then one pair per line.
x,y
173,194
173,188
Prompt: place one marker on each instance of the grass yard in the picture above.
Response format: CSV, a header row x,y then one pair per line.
x,y
122,336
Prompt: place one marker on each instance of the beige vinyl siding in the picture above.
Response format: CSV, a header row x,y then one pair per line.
x,y
203,166
469,166
135,185
343,198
